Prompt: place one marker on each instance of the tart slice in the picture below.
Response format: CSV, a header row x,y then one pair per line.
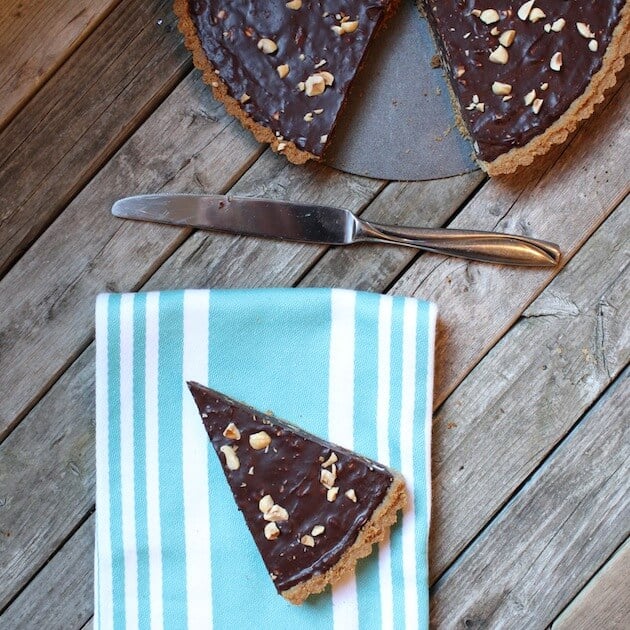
x,y
313,508
283,67
523,73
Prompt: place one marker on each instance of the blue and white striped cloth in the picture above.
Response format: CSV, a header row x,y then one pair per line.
x,y
172,551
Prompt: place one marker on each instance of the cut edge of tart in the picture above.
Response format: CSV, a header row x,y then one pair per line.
x,y
212,76
374,531
312,508
581,108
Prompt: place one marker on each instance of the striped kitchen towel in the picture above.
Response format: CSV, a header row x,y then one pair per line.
x,y
172,551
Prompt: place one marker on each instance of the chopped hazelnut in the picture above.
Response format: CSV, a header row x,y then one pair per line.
x,y
499,55
268,46
536,14
332,459
507,38
231,432
556,62
351,494
307,541
294,4
558,25
502,89
327,478
271,531
332,493
350,26
276,514
266,503
314,85
584,30
283,70
231,459
318,530
524,10
489,16
329,79
259,440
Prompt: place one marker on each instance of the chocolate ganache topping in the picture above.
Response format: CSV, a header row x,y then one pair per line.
x,y
516,67
288,63
303,499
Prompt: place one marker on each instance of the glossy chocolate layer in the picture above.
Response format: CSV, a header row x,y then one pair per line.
x,y
230,32
500,122
289,470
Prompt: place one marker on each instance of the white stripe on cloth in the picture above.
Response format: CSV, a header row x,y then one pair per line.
x,y
410,317
382,444
195,465
127,476
340,425
428,422
154,529
104,594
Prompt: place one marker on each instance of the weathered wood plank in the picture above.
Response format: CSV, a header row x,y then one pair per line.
x,y
500,423
61,594
35,39
74,403
564,197
47,478
131,61
604,601
554,534
189,143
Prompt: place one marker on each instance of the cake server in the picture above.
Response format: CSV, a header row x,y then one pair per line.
x,y
307,223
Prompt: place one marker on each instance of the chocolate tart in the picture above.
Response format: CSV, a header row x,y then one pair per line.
x,y
523,74
282,67
313,508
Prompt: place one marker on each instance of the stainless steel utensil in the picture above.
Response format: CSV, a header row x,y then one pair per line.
x,y
331,226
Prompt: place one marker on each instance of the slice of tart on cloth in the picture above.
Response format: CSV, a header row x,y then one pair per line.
x,y
282,67
313,508
524,73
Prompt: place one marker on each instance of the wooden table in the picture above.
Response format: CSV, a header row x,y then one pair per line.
x,y
531,448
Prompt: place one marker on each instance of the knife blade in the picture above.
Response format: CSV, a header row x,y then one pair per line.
x,y
327,225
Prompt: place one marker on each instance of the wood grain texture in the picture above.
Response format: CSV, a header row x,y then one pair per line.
x,y
604,601
520,400
82,115
60,597
47,298
35,39
555,533
53,456
563,197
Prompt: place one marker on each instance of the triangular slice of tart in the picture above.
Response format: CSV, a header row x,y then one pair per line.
x,y
313,508
523,73
283,67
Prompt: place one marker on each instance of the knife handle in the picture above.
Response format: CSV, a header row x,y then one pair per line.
x,y
507,249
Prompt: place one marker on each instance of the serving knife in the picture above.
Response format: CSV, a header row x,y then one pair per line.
x,y
307,223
